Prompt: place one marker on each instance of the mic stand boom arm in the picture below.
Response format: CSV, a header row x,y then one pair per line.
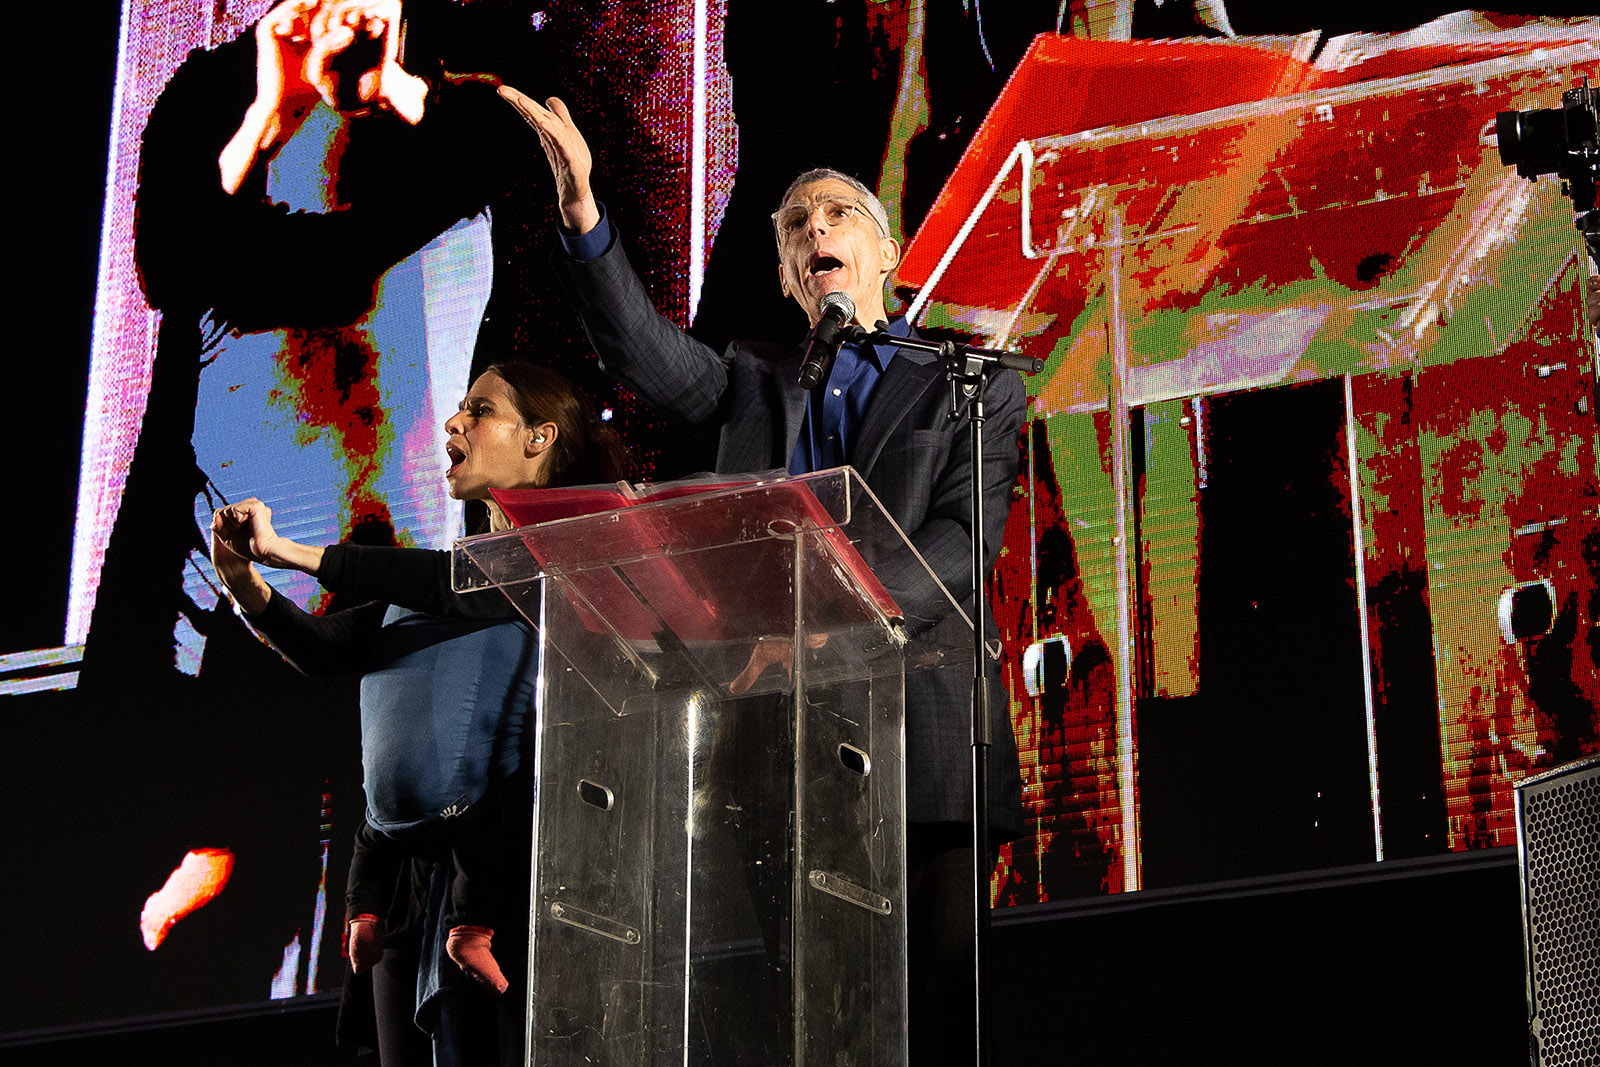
x,y
968,369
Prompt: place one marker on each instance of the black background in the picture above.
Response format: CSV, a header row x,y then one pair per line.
x,y
59,116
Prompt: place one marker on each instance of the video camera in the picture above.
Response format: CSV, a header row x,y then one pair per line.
x,y
1564,141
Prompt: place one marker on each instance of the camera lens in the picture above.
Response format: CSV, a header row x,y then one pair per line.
x,y
1534,141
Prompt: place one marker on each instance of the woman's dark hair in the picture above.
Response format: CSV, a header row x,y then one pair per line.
x,y
586,450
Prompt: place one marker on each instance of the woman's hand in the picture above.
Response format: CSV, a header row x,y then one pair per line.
x,y
568,153
242,534
245,530
230,555
767,652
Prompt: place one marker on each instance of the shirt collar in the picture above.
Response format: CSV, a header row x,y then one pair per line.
x,y
881,354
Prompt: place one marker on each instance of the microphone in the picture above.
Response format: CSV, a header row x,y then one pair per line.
x,y
823,344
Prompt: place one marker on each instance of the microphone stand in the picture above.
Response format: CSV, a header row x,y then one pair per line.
x,y
968,368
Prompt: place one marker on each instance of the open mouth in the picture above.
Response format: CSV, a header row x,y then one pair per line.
x,y
822,265
455,456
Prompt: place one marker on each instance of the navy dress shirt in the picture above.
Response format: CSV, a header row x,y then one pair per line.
x,y
836,407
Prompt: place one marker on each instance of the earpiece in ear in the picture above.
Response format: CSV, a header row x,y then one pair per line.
x,y
538,438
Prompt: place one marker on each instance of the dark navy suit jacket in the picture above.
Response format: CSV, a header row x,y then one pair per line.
x,y
913,456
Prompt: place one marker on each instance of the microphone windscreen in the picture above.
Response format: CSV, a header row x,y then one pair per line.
x,y
840,305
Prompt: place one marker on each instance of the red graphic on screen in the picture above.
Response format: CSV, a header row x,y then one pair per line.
x,y
1174,227
329,382
193,884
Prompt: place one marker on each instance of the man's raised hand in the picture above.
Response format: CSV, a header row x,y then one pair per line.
x,y
568,153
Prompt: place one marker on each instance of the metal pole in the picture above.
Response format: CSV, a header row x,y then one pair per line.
x,y
980,742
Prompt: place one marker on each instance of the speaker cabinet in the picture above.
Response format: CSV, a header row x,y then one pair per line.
x,y
1558,851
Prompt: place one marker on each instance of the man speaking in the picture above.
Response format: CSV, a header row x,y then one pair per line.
x,y
886,413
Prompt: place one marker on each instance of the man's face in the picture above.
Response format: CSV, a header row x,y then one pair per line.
x,y
828,254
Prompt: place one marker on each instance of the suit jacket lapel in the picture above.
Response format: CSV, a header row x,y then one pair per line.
x,y
907,377
794,403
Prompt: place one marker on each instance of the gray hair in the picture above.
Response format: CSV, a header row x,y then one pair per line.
x,y
819,174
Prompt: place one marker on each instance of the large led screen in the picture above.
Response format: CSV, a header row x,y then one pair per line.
x,y
1300,570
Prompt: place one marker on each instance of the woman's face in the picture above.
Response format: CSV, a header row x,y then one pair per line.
x,y
489,445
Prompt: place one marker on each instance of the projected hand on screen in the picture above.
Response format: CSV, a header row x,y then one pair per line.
x,y
283,40
283,94
345,53
192,885
354,59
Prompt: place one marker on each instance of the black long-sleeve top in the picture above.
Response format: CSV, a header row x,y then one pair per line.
x,y
342,642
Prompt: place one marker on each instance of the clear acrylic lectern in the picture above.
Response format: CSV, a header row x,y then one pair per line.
x,y
719,868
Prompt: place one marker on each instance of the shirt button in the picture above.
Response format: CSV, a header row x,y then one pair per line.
x,y
837,392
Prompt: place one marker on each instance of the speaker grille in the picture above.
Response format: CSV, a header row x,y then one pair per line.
x,y
1558,819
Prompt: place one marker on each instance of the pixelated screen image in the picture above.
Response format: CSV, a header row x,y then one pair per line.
x,y
1315,404
1300,570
